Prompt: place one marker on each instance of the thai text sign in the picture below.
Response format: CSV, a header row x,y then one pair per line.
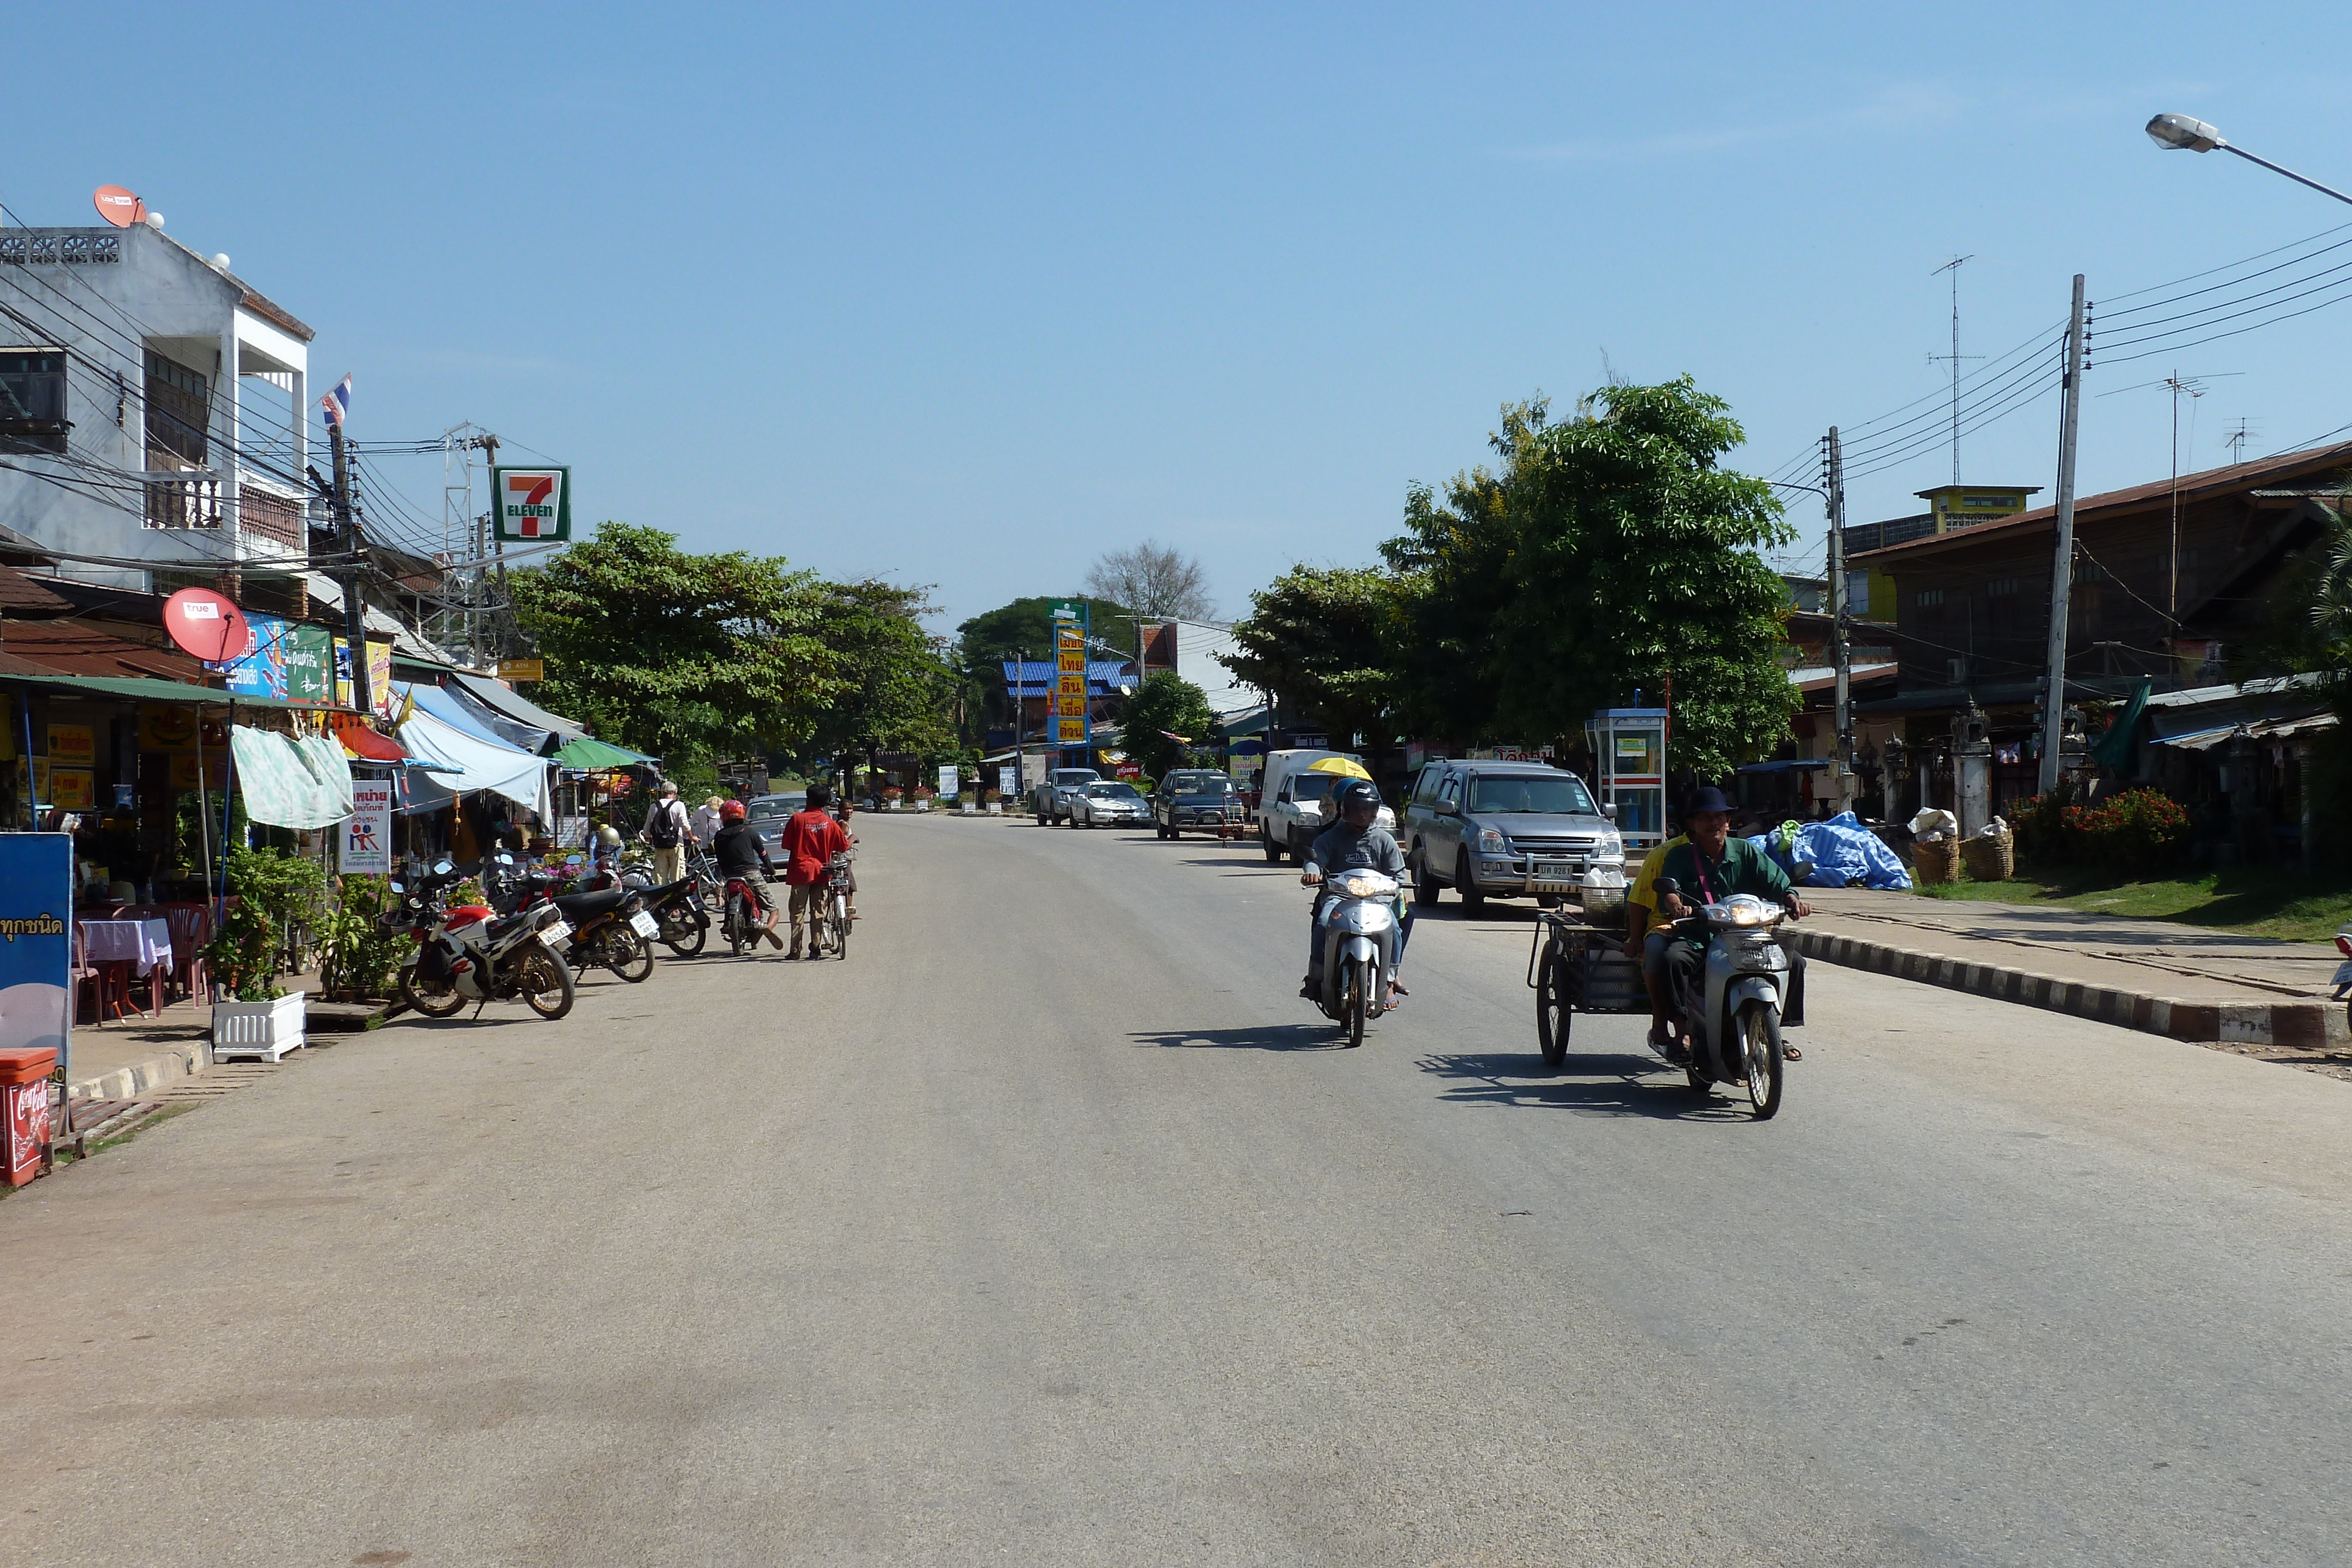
x,y
532,502
367,832
36,939
1071,722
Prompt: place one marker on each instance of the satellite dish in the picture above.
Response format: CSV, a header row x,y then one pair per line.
x,y
207,625
119,206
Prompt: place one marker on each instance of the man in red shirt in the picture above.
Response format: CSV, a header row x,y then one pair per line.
x,y
811,839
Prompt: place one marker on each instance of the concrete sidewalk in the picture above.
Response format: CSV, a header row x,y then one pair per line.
x,y
2151,975
124,1058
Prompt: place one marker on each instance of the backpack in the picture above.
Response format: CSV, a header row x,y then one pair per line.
x,y
661,828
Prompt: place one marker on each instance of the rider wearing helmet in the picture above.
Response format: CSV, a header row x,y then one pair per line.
x,y
737,851
1354,839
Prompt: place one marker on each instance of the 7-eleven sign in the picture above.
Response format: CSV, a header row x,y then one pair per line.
x,y
532,502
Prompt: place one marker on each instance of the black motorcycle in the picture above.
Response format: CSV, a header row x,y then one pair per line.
x,y
610,929
678,910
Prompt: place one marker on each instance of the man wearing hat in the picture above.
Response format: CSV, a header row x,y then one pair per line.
x,y
1709,869
665,834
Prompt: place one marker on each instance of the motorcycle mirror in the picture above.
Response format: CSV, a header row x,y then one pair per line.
x,y
1668,884
397,887
443,867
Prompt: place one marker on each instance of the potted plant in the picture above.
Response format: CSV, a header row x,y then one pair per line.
x,y
892,797
924,796
270,895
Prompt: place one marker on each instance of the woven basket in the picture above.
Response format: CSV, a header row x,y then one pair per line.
x,y
1938,861
1990,860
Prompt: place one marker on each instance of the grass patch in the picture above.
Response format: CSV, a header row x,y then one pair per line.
x,y
2256,900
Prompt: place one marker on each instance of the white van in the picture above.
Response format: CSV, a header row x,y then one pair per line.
x,y
1290,801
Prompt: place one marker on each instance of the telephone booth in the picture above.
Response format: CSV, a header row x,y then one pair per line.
x,y
1629,757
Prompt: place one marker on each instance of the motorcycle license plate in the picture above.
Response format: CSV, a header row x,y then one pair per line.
x,y
644,924
556,936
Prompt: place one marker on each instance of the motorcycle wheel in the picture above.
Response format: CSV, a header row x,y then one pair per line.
x,y
629,955
1759,1034
1356,1001
1554,1016
432,1004
544,984
737,926
693,935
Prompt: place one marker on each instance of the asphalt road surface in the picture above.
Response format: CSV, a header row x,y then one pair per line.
x,y
1050,1228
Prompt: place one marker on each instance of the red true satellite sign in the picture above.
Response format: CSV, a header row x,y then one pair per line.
x,y
119,206
207,625
533,504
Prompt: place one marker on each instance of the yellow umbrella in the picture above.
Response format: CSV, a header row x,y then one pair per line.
x,y
1338,765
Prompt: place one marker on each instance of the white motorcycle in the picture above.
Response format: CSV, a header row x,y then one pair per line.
x,y
1356,933
472,954
1744,988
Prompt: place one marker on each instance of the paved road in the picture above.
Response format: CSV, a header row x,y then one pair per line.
x,y
1048,1229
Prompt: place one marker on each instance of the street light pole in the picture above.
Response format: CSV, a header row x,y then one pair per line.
x,y
2179,134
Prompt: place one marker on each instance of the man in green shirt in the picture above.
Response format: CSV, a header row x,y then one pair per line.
x,y
1709,869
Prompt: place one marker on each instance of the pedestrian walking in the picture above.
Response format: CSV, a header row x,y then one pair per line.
x,y
665,834
705,822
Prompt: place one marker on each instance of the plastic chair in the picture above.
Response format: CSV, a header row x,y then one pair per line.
x,y
85,974
192,928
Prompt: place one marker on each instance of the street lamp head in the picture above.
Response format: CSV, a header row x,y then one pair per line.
x,y
2180,133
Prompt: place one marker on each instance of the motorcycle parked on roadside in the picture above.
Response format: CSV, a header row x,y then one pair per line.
x,y
610,927
1357,931
472,954
1747,991
679,914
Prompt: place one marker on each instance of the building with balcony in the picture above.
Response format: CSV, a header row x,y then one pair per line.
x,y
152,416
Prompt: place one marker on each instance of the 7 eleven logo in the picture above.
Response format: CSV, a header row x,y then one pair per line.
x,y
531,505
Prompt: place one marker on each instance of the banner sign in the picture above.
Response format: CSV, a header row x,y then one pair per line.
x,y
532,504
1072,722
35,941
367,832
73,745
948,783
1005,783
72,789
166,727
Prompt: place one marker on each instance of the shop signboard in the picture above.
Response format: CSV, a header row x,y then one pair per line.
x,y
947,782
73,745
166,727
367,832
260,670
213,775
513,670
36,974
379,675
1006,784
72,789
532,504
309,664
1073,725
41,781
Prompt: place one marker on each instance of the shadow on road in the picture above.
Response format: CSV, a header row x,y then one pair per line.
x,y
1254,1037
1620,1084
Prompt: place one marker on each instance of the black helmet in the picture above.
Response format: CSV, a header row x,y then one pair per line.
x,y
1358,792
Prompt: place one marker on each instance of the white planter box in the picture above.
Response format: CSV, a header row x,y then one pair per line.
x,y
996,808
922,805
266,1030
893,805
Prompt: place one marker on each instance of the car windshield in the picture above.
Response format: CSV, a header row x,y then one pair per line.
x,y
1313,786
1558,795
1200,784
1077,776
1112,792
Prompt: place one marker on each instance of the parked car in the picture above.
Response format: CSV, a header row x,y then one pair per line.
x,y
1498,829
767,814
1299,813
1202,800
1051,799
1109,804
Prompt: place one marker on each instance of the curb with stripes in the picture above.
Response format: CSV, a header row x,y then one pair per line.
x,y
2307,1026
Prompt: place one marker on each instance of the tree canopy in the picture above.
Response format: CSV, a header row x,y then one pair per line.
x,y
1166,703
1154,580
1321,639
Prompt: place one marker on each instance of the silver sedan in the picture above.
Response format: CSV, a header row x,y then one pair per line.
x,y
1109,805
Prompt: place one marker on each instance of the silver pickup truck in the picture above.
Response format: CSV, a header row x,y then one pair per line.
x,y
1495,829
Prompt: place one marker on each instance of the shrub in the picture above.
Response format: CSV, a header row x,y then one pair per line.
x,y
2040,827
356,955
273,891
2136,832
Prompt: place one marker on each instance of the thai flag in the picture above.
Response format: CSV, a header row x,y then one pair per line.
x,y
338,402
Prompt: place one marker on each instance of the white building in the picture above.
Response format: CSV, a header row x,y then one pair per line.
x,y
151,411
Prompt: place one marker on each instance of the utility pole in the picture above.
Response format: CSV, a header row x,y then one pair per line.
x,y
1953,266
2062,561
354,611
1842,652
490,458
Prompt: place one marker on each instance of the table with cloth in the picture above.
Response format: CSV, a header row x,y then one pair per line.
x,y
119,948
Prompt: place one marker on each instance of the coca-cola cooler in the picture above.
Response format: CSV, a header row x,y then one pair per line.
x,y
25,1109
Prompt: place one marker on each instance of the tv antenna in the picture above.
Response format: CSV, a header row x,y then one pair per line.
x,y
1953,266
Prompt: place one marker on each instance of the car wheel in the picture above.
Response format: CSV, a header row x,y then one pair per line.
x,y
1424,885
1272,854
1463,884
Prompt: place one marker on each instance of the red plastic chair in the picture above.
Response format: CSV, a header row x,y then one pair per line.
x,y
192,929
85,974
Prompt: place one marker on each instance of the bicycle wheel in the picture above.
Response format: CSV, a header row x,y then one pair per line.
x,y
840,926
1554,1013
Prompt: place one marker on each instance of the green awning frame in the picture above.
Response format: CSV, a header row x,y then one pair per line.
x,y
158,691
590,755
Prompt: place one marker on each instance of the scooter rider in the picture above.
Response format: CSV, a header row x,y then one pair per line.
x,y
736,851
1710,868
1351,841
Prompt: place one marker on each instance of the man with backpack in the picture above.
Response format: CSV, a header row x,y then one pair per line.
x,y
665,831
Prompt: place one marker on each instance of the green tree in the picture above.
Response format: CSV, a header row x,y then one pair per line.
x,y
686,657
1634,561
1166,703
1322,640
892,688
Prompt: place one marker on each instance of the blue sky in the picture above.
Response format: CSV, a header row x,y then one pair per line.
x,y
966,295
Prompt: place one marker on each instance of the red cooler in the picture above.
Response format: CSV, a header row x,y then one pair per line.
x,y
25,1109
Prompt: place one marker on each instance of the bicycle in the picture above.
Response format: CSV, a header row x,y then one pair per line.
x,y
837,918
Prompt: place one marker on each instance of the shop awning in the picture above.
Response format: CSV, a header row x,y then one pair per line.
x,y
495,696
590,755
461,711
303,783
364,744
159,691
464,763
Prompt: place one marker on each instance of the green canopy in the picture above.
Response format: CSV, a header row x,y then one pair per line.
x,y
590,755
